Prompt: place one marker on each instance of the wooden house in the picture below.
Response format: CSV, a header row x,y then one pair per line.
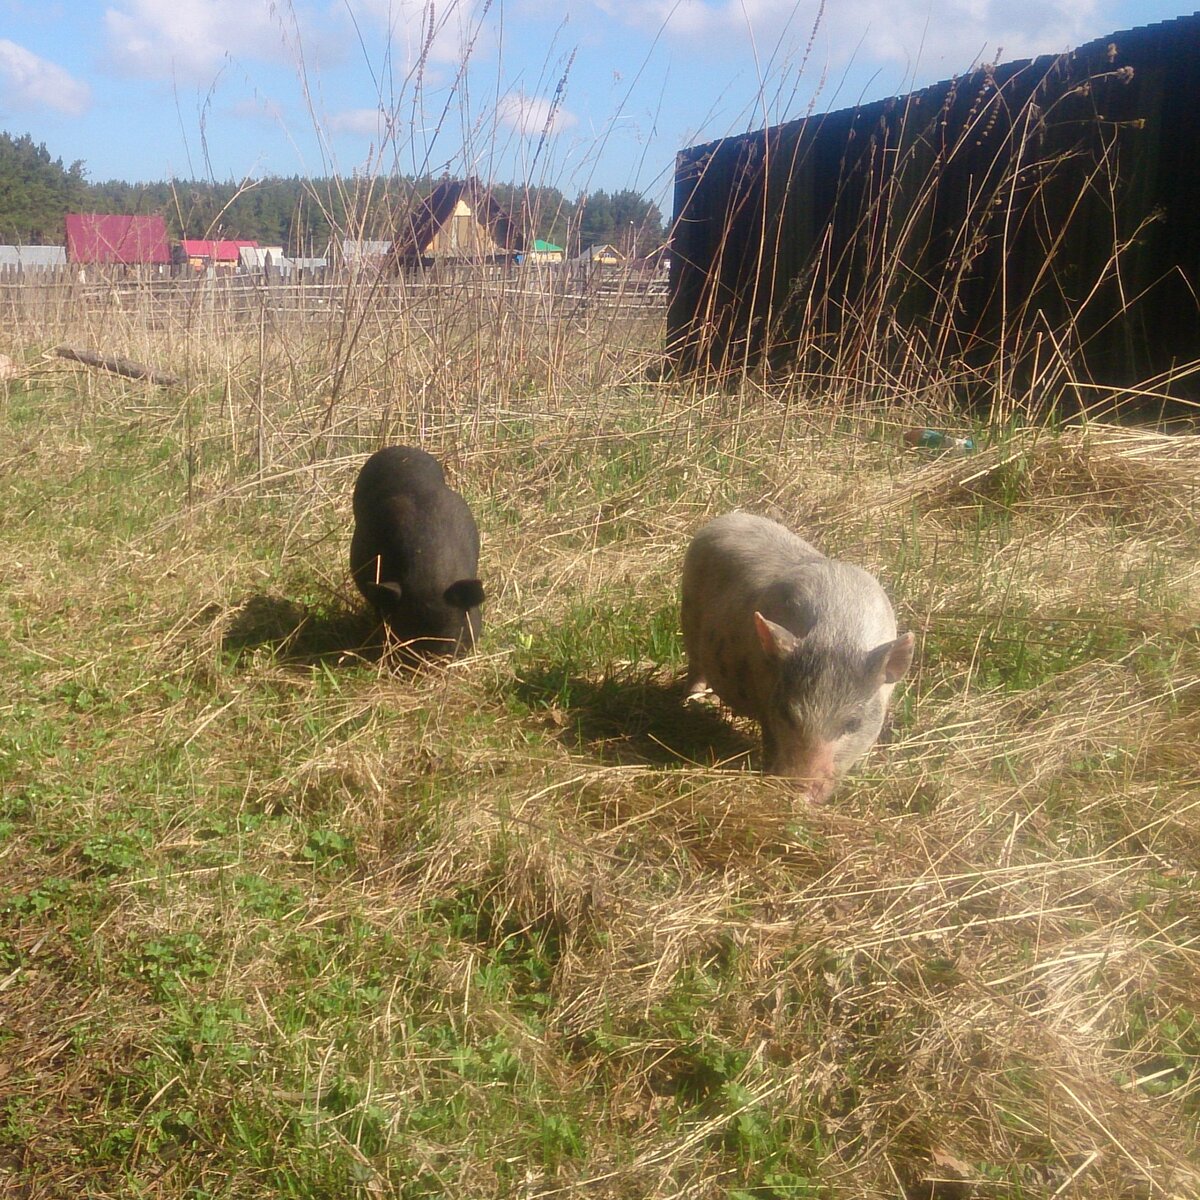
x,y
458,222
604,255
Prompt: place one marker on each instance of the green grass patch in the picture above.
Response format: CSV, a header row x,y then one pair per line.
x,y
278,918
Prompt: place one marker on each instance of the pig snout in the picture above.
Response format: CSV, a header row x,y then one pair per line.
x,y
810,768
809,763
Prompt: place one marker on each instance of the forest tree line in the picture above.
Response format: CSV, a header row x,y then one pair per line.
x,y
301,215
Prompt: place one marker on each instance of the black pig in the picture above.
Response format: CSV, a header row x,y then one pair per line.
x,y
415,552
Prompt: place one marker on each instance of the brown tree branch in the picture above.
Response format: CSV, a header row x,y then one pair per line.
x,y
118,366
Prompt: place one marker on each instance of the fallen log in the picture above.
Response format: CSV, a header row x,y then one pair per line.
x,y
118,366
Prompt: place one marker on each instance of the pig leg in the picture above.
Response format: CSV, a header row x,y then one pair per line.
x,y
698,690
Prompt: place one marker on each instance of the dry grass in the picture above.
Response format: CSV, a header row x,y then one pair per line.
x,y
279,921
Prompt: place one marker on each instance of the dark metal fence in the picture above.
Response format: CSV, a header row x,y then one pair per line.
x,y
1038,209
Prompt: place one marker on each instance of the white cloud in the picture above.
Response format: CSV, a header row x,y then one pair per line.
x,y
406,23
29,81
258,108
953,32
531,114
190,38
957,31
369,122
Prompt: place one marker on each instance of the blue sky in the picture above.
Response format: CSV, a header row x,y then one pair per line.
x,y
151,89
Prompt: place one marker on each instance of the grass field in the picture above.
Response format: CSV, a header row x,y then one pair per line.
x,y
276,920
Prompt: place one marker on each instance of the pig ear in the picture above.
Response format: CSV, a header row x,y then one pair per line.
x,y
776,641
465,593
889,662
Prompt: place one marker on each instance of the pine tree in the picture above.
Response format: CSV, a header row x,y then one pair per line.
x,y
301,215
36,192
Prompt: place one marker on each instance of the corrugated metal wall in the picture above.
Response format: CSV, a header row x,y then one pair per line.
x,y
1039,207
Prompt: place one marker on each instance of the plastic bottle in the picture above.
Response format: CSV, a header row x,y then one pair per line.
x,y
934,439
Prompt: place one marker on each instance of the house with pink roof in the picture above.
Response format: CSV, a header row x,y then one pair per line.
x,y
117,238
224,255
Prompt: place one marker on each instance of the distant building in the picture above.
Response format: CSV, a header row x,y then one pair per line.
x,y
544,252
601,256
116,238
271,260
33,258
459,221
261,258
202,253
364,252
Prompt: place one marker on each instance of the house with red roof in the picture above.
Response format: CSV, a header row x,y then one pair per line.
x,y
224,255
116,238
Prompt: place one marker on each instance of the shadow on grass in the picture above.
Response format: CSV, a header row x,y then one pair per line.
x,y
635,718
298,633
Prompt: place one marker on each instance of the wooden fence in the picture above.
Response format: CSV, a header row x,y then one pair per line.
x,y
1036,209
55,296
